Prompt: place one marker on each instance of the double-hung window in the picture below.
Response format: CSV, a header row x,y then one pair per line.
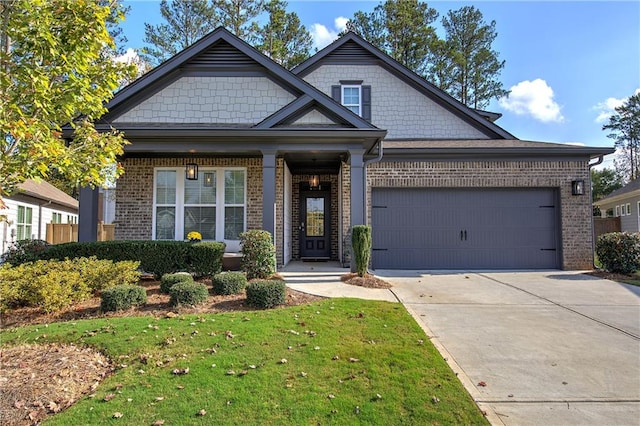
x,y
351,98
24,223
213,205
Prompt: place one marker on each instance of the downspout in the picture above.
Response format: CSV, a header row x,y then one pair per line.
x,y
593,230
364,177
40,206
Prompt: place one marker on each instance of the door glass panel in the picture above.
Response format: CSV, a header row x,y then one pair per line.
x,y
315,217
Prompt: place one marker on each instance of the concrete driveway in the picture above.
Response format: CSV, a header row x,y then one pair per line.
x,y
533,348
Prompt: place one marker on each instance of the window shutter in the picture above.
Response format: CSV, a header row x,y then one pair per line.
x,y
366,102
336,93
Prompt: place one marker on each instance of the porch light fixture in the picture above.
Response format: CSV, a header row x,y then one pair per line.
x,y
191,172
577,187
208,180
314,182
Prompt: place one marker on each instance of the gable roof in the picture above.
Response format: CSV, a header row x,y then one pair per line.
x,y
353,49
46,192
222,51
629,190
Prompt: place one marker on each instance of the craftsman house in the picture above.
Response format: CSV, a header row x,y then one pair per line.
x,y
224,140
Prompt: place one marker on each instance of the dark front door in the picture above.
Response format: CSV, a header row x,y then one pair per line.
x,y
315,225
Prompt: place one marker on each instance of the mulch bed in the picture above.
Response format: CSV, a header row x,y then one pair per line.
x,y
369,281
613,277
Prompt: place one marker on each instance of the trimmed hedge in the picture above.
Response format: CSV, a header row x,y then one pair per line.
x,y
189,294
156,257
266,293
619,252
169,280
229,283
259,254
361,246
122,297
24,251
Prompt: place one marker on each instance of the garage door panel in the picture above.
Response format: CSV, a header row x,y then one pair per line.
x,y
464,228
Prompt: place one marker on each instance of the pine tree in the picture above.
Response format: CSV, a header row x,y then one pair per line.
x,y
238,16
625,130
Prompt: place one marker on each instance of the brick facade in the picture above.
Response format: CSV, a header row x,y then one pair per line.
x,y
575,211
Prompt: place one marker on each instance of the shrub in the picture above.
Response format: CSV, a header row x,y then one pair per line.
x,y
186,293
122,297
266,293
102,273
229,283
169,280
24,251
361,246
259,254
205,258
619,252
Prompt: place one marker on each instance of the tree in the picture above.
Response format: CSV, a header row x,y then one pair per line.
x,y
603,183
283,38
625,130
400,28
238,16
187,22
55,71
465,65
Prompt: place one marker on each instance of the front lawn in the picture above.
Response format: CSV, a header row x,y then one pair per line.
x,y
338,361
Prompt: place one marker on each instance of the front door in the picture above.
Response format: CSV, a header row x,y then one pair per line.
x,y
315,225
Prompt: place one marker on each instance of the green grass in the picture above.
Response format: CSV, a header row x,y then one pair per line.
x,y
395,360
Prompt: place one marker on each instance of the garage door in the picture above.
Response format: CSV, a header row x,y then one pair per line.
x,y
418,228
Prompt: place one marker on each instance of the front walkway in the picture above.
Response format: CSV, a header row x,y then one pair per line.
x,y
323,279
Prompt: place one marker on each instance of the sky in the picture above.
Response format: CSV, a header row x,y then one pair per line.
x,y
568,63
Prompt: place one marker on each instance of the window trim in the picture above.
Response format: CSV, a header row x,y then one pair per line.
x,y
348,106
617,214
24,224
180,205
628,209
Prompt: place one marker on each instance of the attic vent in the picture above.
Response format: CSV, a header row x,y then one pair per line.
x,y
352,51
222,54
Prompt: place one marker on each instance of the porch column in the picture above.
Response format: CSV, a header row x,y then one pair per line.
x,y
88,214
269,191
357,187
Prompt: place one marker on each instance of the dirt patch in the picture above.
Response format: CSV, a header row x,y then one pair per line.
x,y
614,277
369,281
40,380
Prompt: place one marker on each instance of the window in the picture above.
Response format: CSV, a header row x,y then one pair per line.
x,y
214,204
23,224
623,210
56,217
72,219
628,209
617,211
351,98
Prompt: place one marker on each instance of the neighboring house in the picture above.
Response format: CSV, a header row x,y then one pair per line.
x,y
31,208
625,204
223,140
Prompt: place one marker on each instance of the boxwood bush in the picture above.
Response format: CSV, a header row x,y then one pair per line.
x,y
189,294
259,254
266,293
206,258
169,280
229,283
619,252
122,297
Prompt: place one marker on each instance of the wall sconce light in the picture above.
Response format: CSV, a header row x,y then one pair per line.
x,y
577,187
314,182
191,172
208,180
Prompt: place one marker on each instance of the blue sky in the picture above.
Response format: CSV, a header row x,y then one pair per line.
x,y
567,63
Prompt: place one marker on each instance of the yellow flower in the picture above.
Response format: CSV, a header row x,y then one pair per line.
x,y
194,236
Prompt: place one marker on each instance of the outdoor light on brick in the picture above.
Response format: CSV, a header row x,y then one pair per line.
x,y
577,187
191,173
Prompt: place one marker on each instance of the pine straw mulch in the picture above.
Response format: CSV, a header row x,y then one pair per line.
x,y
369,281
37,381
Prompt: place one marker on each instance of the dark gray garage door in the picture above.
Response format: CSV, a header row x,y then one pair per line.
x,y
418,228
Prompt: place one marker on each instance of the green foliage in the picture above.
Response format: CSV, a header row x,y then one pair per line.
x,y
259,254
619,252
361,245
169,280
625,131
24,251
189,294
56,66
229,283
604,182
122,297
283,38
266,293
206,258
53,285
238,16
156,257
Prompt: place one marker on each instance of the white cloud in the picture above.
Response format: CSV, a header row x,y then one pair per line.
x,y
128,57
323,36
607,108
533,98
